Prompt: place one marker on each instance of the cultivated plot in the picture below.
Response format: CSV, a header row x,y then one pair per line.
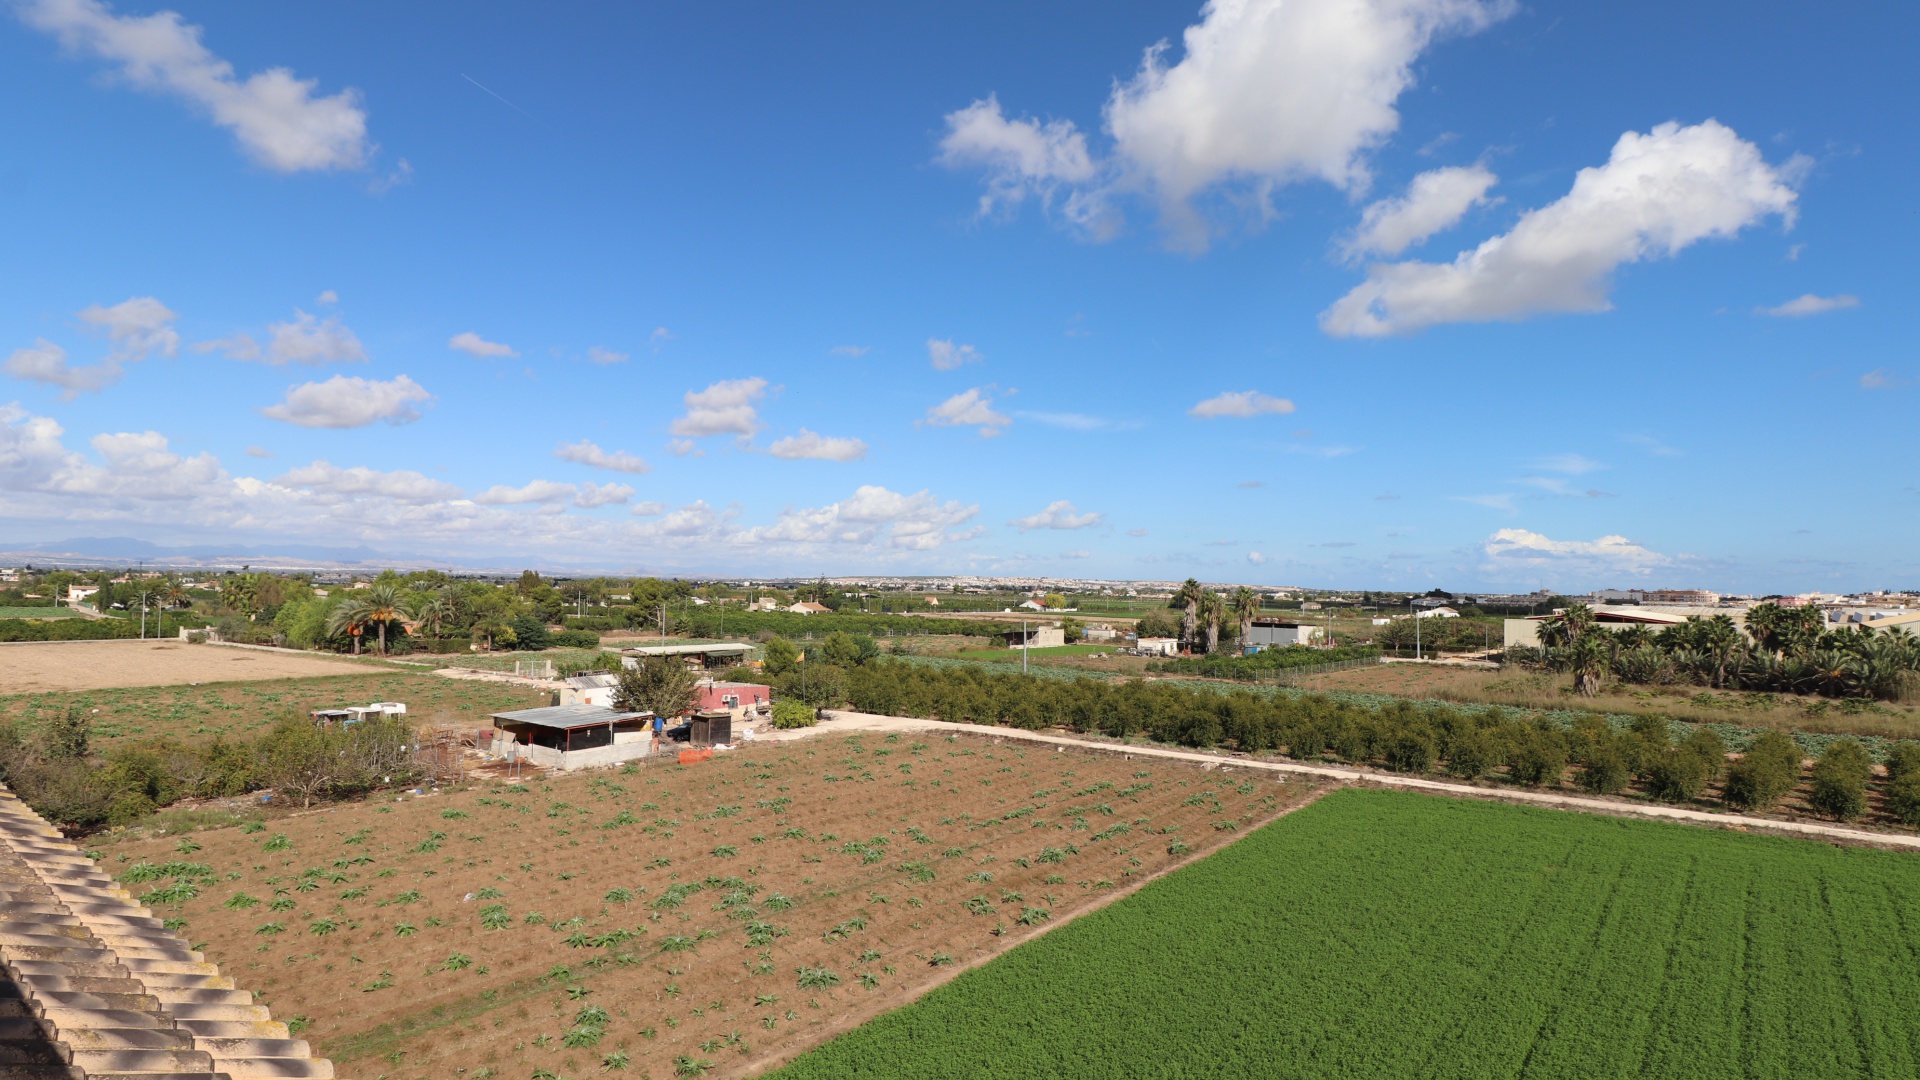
x,y
1380,934
668,917
94,665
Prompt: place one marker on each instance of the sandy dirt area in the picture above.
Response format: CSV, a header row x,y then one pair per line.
x,y
34,667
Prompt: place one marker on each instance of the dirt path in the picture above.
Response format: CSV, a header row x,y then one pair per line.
x,y
842,721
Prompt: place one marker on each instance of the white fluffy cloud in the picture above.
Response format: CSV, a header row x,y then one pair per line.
x,y
400,485
305,340
1518,550
1058,515
276,117
1241,403
1265,93
818,447
1657,194
599,355
478,347
534,491
1256,558
137,328
1802,306
591,495
343,402
1435,200
969,408
946,355
585,452
873,515
725,408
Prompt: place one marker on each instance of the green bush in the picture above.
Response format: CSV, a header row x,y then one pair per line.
x,y
574,639
788,713
1840,780
1769,769
66,629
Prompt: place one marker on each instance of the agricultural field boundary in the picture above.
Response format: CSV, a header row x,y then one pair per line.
x,y
1357,776
767,1063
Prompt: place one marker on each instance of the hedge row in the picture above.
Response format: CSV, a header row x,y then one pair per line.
x,y
66,629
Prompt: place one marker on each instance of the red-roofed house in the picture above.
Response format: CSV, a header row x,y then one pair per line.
x,y
739,698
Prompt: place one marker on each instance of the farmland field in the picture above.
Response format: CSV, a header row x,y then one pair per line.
x,y
235,710
89,665
38,613
1050,653
655,919
1378,934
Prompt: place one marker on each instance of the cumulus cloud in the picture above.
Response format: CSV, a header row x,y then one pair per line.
x,y
327,297
1058,515
343,402
1241,403
725,408
400,485
276,117
1256,558
1516,550
1266,93
305,340
946,355
1435,201
873,515
137,328
1657,194
1021,158
818,447
1802,306
855,351
259,452
585,452
685,447
534,491
592,495
478,347
598,355
969,408
1879,379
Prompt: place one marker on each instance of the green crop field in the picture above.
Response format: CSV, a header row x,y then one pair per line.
x,y
37,613
1383,934
1013,655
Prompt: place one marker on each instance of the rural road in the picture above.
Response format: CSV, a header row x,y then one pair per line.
x,y
840,720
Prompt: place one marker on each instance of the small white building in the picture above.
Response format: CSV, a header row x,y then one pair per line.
x,y
1437,613
1158,646
1032,605
808,607
1038,637
1101,632
594,688
1278,633
79,594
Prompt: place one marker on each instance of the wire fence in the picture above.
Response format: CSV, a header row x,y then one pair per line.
x,y
1289,676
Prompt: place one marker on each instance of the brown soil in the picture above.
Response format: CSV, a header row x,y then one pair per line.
x,y
860,852
237,710
96,665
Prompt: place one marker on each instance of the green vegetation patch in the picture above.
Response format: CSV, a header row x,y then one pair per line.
x,y
1392,934
1013,655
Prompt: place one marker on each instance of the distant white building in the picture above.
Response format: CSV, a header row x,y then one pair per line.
x,y
1039,637
1158,646
79,594
1032,605
1275,633
1437,613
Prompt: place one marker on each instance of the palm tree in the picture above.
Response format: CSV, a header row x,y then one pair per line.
x,y
1189,598
1589,657
1246,605
1566,627
434,611
377,606
1213,611
1765,624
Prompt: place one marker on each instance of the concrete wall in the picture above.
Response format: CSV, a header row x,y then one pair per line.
x,y
598,757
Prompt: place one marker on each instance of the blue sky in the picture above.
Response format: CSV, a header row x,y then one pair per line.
x,y
1408,293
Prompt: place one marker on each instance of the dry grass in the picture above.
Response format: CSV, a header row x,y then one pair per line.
x,y
99,665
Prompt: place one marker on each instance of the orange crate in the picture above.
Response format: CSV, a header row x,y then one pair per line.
x,y
694,757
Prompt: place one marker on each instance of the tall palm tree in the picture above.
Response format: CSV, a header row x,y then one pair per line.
x,y
1213,611
1590,657
1189,598
1566,627
376,607
434,611
1246,605
1765,624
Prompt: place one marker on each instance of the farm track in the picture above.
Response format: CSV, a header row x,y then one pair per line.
x,y
1838,833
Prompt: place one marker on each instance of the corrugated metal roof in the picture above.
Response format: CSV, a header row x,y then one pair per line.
x,y
686,650
567,717
586,682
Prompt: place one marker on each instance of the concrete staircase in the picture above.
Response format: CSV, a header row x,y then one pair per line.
x,y
92,985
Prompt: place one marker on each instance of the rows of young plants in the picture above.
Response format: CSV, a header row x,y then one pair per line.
x,y
1264,664
1393,934
1649,756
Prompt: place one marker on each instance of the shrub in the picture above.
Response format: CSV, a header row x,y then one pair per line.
x,y
788,713
1769,769
574,639
1605,771
1840,780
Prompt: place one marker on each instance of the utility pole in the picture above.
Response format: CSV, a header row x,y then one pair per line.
x,y
1416,630
1023,646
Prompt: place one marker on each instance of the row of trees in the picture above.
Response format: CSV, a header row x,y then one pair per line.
x,y
1206,611
1469,744
1784,650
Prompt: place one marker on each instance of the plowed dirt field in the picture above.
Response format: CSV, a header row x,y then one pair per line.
x,y
675,920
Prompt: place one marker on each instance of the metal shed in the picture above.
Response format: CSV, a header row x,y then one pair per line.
x,y
573,727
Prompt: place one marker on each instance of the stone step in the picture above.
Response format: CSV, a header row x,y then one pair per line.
x,y
306,1068
170,996
254,1048
67,1018
43,1072
191,1011
233,1029
143,1061
128,1039
41,1052
84,984
24,968
140,966
154,1076
63,954
170,980
73,999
